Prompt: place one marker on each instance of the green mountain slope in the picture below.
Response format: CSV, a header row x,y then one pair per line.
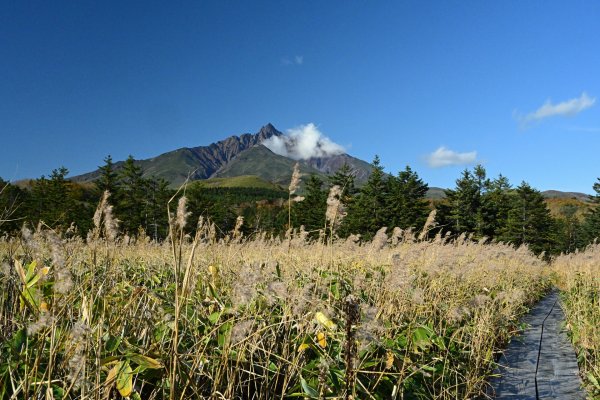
x,y
262,162
196,162
243,181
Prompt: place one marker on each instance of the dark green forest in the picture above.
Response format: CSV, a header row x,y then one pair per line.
x,y
479,207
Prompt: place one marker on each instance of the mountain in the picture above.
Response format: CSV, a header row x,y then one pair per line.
x,y
555,194
242,181
197,162
436,193
262,162
329,165
237,156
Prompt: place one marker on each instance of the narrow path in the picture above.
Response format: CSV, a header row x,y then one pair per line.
x,y
541,362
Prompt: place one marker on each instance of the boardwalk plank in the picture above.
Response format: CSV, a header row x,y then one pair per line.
x,y
540,363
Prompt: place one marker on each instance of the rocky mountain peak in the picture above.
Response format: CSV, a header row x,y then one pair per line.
x,y
267,131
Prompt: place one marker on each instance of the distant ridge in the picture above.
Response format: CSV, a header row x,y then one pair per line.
x,y
198,162
236,156
244,155
436,193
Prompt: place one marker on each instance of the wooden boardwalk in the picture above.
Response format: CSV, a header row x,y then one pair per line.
x,y
541,362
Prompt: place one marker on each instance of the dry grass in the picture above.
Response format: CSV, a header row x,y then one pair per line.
x,y
579,279
264,319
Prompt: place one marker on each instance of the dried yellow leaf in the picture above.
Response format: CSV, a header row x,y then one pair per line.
x,y
389,360
303,347
325,321
321,339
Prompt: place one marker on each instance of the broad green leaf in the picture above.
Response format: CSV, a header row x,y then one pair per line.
x,y
18,340
593,380
112,343
309,390
422,337
214,317
145,361
30,271
125,379
135,396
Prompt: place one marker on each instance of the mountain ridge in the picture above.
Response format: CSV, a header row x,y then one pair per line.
x,y
195,163
228,158
245,155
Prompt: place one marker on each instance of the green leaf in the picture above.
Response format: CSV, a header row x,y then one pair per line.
x,y
125,379
214,317
30,271
309,390
135,396
422,337
112,343
593,380
32,295
18,340
145,362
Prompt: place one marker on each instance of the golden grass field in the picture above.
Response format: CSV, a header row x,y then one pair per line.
x,y
263,318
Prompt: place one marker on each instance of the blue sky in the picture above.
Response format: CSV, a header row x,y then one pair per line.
x,y
510,84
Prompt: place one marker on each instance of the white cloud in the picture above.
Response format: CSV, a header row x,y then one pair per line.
x,y
302,143
566,108
444,157
299,60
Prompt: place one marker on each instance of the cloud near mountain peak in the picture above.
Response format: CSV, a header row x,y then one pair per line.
x,y
302,143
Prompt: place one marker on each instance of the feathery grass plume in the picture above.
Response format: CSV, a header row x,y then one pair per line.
x,y
244,287
335,211
397,234
182,213
237,233
370,329
100,210
429,224
409,236
63,280
32,242
240,330
44,321
77,351
111,224
380,239
294,185
295,181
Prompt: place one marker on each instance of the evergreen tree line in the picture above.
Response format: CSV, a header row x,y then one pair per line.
x,y
477,205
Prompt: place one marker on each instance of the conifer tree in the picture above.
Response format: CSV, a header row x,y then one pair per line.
x,y
368,213
529,221
130,204
51,200
464,202
310,212
495,205
344,178
406,203
108,179
156,199
591,224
